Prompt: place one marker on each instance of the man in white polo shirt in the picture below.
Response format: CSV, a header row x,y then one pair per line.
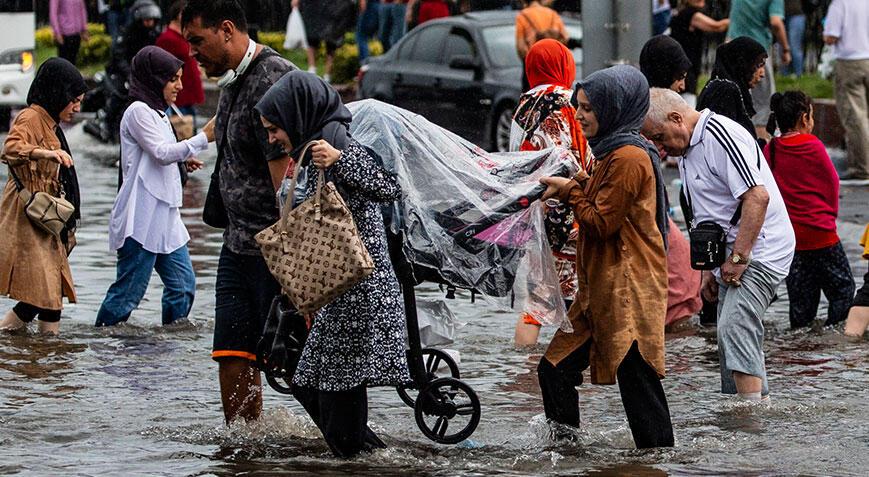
x,y
723,170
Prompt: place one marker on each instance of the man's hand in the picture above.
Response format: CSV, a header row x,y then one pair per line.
x,y
295,4
731,273
58,38
554,185
323,154
709,287
194,165
786,57
85,36
831,40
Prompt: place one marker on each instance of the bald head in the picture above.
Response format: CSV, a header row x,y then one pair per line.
x,y
670,121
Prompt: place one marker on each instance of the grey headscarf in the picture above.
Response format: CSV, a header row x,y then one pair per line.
x,y
619,96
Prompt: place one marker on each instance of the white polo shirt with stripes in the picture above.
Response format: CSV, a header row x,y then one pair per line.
x,y
722,162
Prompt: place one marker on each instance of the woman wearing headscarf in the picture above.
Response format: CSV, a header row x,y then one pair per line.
x,y
34,265
543,119
618,330
665,65
739,66
357,341
145,227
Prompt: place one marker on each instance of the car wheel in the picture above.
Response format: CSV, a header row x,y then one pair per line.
x,y
501,131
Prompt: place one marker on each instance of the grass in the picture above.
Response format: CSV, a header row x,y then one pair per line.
x,y
811,84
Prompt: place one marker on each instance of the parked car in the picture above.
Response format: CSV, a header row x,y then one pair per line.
x,y
460,72
17,43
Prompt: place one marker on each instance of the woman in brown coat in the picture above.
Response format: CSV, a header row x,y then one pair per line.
x,y
34,268
618,316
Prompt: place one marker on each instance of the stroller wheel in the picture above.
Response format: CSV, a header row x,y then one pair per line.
x,y
433,359
279,384
447,411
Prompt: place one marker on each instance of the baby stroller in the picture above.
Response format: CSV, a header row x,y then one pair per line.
x,y
467,220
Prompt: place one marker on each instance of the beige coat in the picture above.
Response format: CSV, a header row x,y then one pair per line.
x,y
33,264
621,267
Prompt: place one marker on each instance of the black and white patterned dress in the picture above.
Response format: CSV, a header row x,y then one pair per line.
x,y
359,338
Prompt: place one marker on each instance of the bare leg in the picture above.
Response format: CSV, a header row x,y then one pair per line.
x,y
858,321
240,389
312,57
746,383
11,322
526,334
327,67
48,328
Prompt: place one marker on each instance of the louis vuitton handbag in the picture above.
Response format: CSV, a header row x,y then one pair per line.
x,y
315,251
45,211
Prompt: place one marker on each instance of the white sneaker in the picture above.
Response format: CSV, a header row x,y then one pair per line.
x,y
312,69
327,78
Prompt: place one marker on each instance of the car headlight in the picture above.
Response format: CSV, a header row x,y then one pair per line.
x,y
18,57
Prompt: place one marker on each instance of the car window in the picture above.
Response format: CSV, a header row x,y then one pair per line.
x,y
429,44
458,44
406,48
501,45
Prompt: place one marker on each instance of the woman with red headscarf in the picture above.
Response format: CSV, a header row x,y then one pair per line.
x,y
545,118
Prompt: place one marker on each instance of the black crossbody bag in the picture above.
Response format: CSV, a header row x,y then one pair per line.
x,y
708,240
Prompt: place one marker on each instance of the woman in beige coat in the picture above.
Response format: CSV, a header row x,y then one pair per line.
x,y
34,268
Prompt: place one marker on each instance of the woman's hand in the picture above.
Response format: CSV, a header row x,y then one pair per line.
x,y
194,165
58,155
208,129
295,3
554,185
323,154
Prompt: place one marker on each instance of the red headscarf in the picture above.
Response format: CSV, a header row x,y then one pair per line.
x,y
550,62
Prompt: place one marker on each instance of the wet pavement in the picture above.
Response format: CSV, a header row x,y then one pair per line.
x,y
141,399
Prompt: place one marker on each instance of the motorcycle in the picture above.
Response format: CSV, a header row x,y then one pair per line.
x,y
107,99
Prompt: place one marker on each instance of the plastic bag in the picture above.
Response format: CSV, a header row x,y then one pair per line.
x,y
469,218
296,37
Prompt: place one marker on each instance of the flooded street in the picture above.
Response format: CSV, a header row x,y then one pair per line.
x,y
141,399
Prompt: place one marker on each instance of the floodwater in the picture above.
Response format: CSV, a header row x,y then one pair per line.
x,y
141,399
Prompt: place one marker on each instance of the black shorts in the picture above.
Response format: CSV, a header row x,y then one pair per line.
x,y
862,296
331,46
244,292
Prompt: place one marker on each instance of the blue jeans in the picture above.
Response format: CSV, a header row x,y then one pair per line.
x,y
796,28
366,27
391,24
134,271
116,21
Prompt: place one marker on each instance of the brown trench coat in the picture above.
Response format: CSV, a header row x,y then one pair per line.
x,y
33,264
621,265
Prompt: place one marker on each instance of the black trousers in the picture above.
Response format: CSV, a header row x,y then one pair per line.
x,y
814,271
640,387
27,312
342,417
69,49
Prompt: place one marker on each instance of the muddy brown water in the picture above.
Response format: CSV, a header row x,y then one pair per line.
x,y
141,399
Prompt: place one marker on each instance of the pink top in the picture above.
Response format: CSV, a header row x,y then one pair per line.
x,y
67,17
808,183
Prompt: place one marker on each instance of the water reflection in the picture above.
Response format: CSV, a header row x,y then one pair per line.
x,y
143,399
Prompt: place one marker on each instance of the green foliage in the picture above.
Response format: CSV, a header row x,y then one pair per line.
x,y
812,84
94,51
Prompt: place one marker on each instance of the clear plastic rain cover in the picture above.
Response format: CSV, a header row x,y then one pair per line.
x,y
469,218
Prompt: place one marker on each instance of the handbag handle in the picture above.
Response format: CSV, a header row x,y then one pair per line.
x,y
288,203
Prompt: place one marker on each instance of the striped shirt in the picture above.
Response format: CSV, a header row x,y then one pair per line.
x,y
723,161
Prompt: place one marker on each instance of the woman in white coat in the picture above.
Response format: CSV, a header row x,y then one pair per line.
x,y
146,228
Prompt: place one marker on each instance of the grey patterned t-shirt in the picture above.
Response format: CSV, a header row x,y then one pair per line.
x,y
245,181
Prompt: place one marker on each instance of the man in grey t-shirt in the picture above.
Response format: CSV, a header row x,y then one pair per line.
x,y
250,170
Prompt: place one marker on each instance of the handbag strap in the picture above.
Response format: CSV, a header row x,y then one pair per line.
x,y
288,203
689,217
178,111
18,185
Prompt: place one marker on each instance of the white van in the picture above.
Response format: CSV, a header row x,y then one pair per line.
x,y
17,54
